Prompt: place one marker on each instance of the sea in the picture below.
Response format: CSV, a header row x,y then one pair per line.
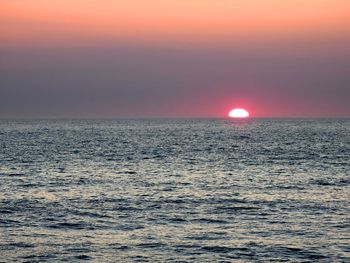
x,y
175,190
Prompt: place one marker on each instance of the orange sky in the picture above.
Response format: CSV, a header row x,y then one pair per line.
x,y
174,57
162,20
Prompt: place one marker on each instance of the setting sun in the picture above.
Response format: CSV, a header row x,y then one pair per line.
x,y
238,113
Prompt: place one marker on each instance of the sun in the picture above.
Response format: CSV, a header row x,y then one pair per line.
x,y
238,113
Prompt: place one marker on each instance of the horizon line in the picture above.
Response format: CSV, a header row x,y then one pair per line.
x,y
171,117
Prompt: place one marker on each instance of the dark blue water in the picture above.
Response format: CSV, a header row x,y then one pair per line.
x,y
175,190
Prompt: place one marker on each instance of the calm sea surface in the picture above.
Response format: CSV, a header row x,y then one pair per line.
x,y
175,190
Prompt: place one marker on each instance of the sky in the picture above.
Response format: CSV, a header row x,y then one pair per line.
x,y
174,58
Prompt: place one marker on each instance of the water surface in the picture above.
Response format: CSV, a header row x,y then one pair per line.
x,y
175,190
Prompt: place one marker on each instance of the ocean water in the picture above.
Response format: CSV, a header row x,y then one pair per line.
x,y
175,190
